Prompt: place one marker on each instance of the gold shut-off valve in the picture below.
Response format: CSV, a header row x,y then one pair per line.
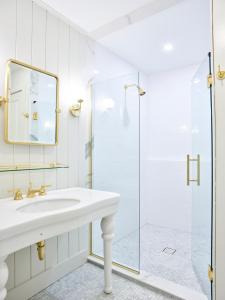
x,y
41,250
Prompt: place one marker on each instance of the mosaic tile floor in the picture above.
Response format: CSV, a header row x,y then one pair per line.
x,y
157,245
86,283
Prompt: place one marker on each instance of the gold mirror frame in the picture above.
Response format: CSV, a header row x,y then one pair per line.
x,y
6,109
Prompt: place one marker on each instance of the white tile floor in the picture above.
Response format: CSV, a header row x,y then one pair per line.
x,y
165,253
86,283
154,261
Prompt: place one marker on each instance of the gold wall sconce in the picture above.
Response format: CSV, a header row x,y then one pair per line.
x,y
75,109
220,74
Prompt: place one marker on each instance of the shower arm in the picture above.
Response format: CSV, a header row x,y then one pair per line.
x,y
126,86
141,91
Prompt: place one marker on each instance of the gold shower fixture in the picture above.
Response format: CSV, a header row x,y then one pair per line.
x,y
141,91
76,108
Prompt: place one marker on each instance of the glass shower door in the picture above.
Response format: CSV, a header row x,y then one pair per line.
x,y
201,169
115,163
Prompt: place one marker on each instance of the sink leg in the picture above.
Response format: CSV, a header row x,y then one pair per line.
x,y
107,226
3,277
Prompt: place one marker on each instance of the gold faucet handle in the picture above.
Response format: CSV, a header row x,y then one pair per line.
x,y
42,191
17,193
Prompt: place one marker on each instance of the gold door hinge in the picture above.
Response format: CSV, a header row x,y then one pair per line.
x,y
210,273
220,74
2,100
209,80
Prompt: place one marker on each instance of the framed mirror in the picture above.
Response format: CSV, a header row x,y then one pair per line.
x,y
31,105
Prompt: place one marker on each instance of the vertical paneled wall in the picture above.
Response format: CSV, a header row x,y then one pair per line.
x,y
31,34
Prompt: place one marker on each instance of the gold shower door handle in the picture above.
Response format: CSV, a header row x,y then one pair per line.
x,y
197,160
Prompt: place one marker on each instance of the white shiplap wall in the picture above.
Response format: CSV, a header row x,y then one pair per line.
x,y
31,34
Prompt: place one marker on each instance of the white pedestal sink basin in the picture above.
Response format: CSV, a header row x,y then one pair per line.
x,y
47,205
28,221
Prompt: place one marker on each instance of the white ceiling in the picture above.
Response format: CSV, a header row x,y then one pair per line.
x,y
185,24
92,14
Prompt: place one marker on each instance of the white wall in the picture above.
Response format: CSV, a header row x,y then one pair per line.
x,y
31,34
165,142
110,66
219,142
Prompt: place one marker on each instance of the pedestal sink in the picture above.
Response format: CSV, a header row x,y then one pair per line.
x,y
28,221
47,205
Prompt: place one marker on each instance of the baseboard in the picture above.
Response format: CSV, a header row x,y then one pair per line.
x,y
43,280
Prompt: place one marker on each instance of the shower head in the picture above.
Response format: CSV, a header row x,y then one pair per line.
x,y
141,91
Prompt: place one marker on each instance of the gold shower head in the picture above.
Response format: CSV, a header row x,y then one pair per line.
x,y
141,91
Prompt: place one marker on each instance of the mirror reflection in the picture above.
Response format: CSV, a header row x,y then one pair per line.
x,y
31,107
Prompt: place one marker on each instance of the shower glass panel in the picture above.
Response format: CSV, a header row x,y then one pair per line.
x,y
116,163
202,194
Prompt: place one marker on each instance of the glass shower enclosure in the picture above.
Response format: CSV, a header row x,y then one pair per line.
x,y
116,162
116,168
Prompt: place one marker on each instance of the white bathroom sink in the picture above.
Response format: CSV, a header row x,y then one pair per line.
x,y
28,221
48,205
48,213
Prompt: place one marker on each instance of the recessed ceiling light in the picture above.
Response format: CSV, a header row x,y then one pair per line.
x,y
96,72
168,47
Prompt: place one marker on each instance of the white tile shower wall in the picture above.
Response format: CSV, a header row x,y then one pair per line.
x,y
30,33
165,141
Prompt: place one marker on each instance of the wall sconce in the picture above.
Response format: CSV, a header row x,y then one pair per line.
x,y
76,108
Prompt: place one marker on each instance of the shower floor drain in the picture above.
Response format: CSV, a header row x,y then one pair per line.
x,y
169,251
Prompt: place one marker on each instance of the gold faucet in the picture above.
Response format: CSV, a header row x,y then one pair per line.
x,y
31,193
17,194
